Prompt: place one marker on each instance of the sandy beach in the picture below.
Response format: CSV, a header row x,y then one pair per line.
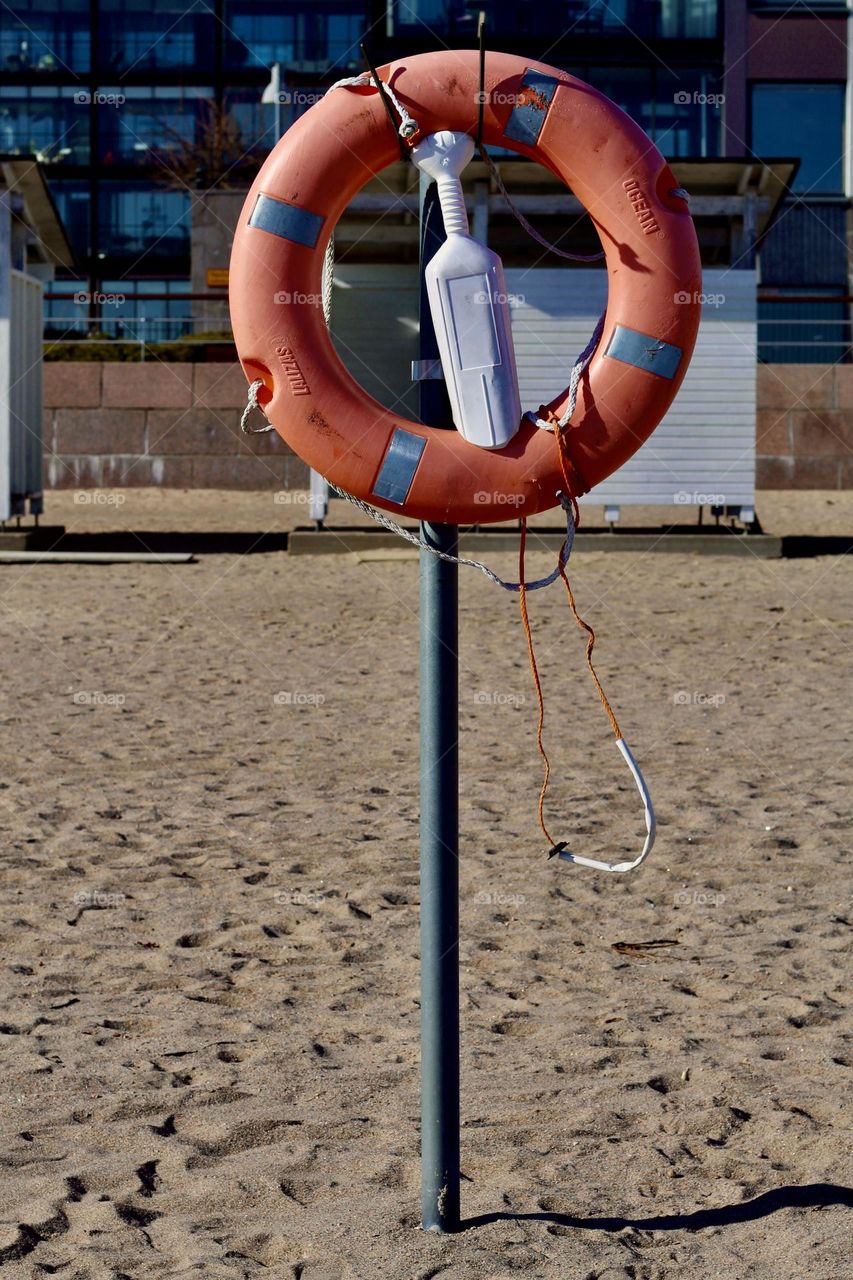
x,y
210,1001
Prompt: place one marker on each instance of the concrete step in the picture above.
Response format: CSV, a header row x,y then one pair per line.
x,y
716,542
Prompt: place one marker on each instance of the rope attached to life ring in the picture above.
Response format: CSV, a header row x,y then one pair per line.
x,y
559,848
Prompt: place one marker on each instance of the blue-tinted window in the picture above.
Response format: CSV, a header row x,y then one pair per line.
x,y
73,205
809,331
680,111
295,100
138,35
66,316
253,119
668,19
150,120
307,38
258,40
141,219
127,311
48,121
44,35
808,6
686,19
805,120
688,112
132,313
629,87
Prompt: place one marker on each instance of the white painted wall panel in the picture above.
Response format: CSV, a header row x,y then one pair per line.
x,y
705,446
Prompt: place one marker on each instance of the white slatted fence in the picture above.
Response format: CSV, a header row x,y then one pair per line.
x,y
704,450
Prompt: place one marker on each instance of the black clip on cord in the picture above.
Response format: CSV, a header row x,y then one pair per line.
x,y
386,101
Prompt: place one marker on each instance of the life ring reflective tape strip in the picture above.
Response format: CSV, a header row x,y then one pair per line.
x,y
289,221
527,117
644,352
649,331
398,467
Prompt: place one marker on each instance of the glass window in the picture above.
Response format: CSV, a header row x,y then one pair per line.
x,y
309,38
73,204
680,19
809,331
629,87
141,219
252,118
681,111
66,315
669,19
128,310
150,120
805,120
47,121
295,101
786,6
688,112
141,35
44,35
138,308
259,40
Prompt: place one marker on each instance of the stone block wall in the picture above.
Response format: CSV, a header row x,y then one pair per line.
x,y
804,427
178,426
151,423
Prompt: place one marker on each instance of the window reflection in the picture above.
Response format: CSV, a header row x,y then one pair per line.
x,y
680,111
316,38
48,121
136,218
138,34
44,35
72,203
688,112
150,310
150,120
667,19
805,120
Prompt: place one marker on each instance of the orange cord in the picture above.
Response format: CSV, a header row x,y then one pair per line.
x,y
585,626
522,604
590,644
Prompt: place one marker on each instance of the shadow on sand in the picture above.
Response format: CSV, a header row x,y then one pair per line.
x,y
812,1196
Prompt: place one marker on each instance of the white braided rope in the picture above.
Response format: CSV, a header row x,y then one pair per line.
x,y
391,525
408,126
254,387
251,406
417,541
328,280
577,372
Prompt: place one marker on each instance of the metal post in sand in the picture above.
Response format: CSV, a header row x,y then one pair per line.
x,y
439,828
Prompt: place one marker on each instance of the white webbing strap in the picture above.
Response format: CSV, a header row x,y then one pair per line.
x,y
597,864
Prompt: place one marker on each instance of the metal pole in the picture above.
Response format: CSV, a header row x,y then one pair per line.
x,y
439,734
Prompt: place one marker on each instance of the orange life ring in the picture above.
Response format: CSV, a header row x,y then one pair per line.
x,y
654,282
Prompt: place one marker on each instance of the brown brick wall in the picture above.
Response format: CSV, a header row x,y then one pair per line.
x,y
178,425
174,425
804,431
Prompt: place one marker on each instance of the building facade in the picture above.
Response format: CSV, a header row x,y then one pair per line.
x,y
136,108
